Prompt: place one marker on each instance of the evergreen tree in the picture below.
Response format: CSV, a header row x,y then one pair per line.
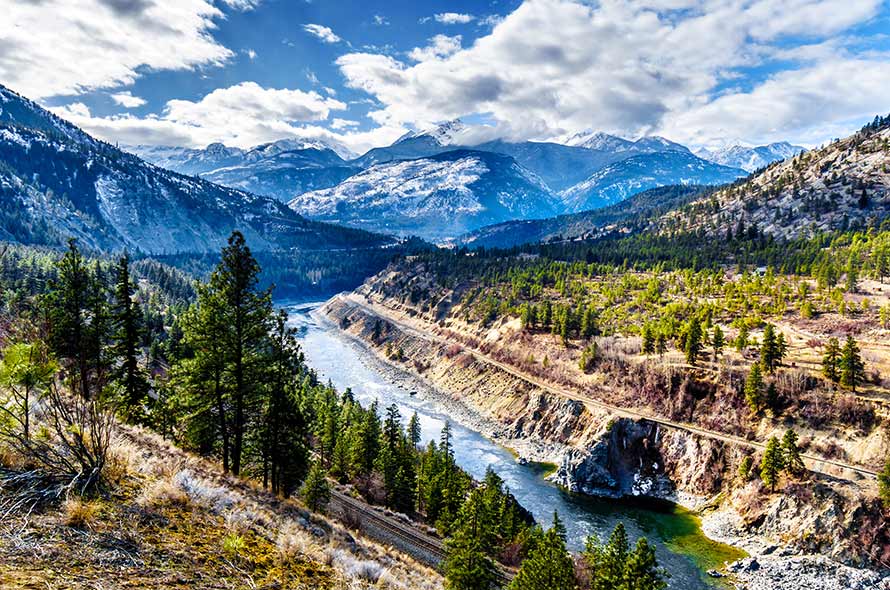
x,y
127,336
648,340
770,352
692,344
792,460
316,492
284,429
754,389
741,341
852,369
548,565
641,571
745,467
414,431
831,361
771,463
468,565
718,341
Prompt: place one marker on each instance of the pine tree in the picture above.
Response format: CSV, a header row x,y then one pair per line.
x,y
641,571
126,340
754,389
648,340
831,361
852,368
741,341
745,467
284,429
692,340
771,463
316,492
468,565
548,565
792,461
414,431
718,341
770,353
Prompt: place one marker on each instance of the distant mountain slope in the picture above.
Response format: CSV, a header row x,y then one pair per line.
x,y
437,197
751,159
282,169
625,216
845,184
627,177
56,181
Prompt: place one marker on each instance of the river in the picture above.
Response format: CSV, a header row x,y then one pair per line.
x,y
681,547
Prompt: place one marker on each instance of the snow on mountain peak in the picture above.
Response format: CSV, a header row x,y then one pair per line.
x,y
444,134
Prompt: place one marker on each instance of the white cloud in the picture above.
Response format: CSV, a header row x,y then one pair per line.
x,y
453,18
440,46
251,54
127,100
380,20
242,115
558,66
54,47
343,124
322,32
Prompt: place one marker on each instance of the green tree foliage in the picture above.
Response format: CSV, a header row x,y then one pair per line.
x,y
852,369
831,361
316,491
26,373
648,340
754,389
614,566
791,459
745,468
692,340
414,431
884,484
548,565
127,337
771,352
468,563
718,341
772,463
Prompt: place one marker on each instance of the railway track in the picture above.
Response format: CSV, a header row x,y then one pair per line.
x,y
814,463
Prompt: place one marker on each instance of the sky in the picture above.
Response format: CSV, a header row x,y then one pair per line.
x,y
244,72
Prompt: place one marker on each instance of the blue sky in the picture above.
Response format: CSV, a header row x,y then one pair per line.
x,y
703,72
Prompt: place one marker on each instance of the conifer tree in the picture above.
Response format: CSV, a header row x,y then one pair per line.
x,y
852,369
316,492
718,341
641,571
468,565
831,361
754,389
771,463
128,332
692,344
793,463
414,431
770,352
648,340
548,565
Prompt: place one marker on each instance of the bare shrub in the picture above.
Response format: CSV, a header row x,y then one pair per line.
x,y
70,441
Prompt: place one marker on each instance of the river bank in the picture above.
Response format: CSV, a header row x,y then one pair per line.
x,y
720,524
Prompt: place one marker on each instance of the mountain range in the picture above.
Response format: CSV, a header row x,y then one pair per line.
x,y
56,182
751,158
380,191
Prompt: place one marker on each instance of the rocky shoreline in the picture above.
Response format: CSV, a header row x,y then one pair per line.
x,y
768,567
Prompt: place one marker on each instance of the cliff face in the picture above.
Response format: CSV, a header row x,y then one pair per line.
x,y
600,453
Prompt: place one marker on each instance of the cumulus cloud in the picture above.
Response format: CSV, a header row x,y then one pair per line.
x,y
558,66
59,47
453,18
242,115
127,100
322,32
439,46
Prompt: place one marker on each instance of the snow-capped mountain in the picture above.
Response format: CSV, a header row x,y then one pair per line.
x,y
58,182
751,158
624,178
436,197
597,140
281,169
416,144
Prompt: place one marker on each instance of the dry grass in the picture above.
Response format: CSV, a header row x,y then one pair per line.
x,y
162,492
78,513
